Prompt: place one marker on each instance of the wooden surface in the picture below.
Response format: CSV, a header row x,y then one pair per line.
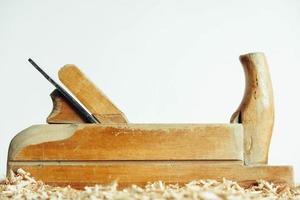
x,y
129,142
90,96
256,111
133,172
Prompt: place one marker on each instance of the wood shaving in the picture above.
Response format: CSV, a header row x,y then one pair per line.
x,y
21,185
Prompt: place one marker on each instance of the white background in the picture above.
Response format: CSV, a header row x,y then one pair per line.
x,y
158,61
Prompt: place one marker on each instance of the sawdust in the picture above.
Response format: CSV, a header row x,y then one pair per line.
x,y
22,186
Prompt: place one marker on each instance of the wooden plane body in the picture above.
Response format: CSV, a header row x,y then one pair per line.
x,y
68,151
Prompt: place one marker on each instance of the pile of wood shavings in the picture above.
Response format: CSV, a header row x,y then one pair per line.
x,y
23,186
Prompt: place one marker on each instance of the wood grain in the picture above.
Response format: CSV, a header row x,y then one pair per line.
x,y
256,111
90,96
139,173
129,142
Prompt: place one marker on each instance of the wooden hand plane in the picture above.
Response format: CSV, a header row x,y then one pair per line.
x,y
69,151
